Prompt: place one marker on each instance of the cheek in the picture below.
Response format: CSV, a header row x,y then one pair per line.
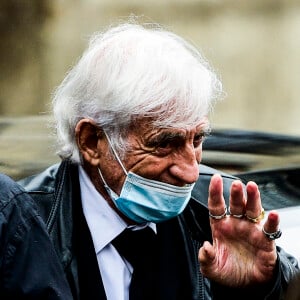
x,y
150,167
112,173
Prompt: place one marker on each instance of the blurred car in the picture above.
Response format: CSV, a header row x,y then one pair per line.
x,y
273,162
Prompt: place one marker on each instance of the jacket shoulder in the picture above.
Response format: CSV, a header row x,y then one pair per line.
x,y
9,190
43,182
41,188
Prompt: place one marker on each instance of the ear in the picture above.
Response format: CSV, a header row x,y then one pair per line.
x,y
87,136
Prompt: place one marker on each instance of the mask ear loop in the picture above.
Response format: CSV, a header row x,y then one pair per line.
x,y
103,180
115,153
110,192
108,189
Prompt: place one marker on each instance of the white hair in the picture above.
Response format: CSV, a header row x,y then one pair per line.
x,y
132,71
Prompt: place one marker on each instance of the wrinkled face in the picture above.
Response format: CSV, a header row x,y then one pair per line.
x,y
164,154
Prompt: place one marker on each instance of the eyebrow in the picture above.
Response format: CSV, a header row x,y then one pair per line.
x,y
164,136
171,136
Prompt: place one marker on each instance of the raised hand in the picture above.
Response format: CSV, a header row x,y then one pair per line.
x,y
243,250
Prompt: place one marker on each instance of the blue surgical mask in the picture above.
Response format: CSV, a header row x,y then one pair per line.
x,y
145,200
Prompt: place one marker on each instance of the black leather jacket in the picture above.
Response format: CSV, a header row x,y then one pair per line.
x,y
29,266
55,189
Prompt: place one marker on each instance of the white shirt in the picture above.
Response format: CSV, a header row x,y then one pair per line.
x,y
105,224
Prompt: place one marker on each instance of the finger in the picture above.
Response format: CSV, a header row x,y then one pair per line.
x,y
206,254
216,202
237,199
271,228
254,209
272,223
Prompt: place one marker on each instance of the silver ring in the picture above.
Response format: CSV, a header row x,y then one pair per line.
x,y
218,217
235,216
273,235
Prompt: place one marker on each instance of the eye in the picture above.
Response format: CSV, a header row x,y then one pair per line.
x,y
164,144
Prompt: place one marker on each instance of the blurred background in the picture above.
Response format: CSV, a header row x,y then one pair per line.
x,y
253,45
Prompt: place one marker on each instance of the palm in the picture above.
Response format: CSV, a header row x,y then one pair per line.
x,y
240,254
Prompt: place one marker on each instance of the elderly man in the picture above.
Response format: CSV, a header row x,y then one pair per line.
x,y
123,207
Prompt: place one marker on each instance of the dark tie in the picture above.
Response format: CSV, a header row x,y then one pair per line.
x,y
139,249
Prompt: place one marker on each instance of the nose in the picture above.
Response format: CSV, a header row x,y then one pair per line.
x,y
186,165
